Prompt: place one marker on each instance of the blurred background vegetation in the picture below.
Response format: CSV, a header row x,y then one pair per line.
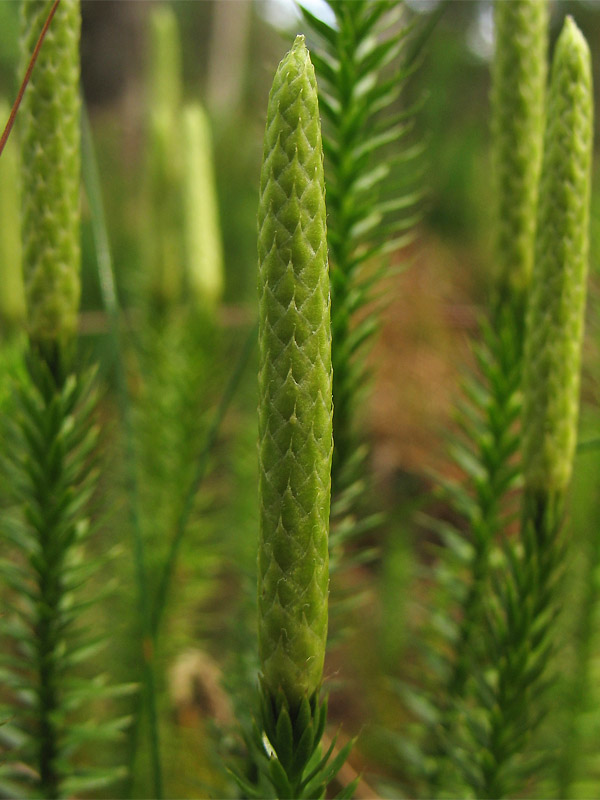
x,y
227,56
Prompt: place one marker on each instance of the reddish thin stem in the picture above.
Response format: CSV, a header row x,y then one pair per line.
x,y
15,108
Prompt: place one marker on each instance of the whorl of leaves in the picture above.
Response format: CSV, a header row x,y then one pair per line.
x,y
50,472
287,753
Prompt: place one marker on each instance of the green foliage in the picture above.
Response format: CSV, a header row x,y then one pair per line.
x,y
50,157
51,447
168,442
486,451
169,428
514,692
9,37
51,473
11,369
370,202
287,752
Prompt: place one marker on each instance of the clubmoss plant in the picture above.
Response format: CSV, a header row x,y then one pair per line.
x,y
295,441
295,431
487,452
51,481
521,622
50,439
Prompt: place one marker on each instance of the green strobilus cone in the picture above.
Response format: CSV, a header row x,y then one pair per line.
x,y
202,232
518,99
50,157
295,407
295,426
558,289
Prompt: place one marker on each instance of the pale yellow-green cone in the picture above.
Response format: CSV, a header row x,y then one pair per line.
x,y
49,121
558,289
295,407
12,297
165,63
204,254
518,98
164,251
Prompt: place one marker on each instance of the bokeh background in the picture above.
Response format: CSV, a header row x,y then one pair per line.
x,y
226,59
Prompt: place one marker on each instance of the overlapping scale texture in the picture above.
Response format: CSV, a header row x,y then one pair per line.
x,y
557,299
518,93
50,123
295,407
